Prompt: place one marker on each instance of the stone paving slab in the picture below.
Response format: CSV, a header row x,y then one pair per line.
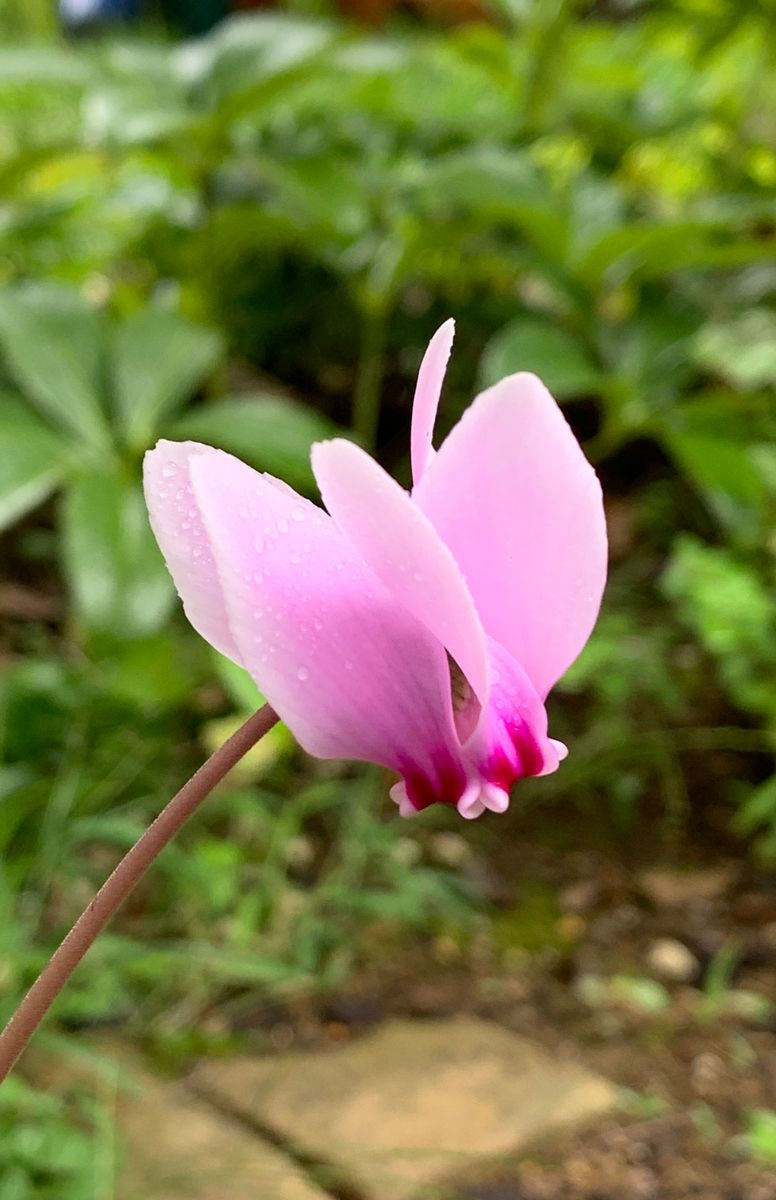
x,y
178,1148
171,1145
402,1111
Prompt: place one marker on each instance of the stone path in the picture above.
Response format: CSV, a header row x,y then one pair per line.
x,y
395,1115
175,1147
400,1112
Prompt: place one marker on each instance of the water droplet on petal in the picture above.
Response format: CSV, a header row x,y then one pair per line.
x,y
302,674
258,545
243,510
348,665
297,513
318,624
295,558
196,551
417,576
169,469
282,525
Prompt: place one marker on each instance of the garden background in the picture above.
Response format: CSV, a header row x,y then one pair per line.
x,y
247,238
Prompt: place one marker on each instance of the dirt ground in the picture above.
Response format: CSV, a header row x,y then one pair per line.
x,y
661,977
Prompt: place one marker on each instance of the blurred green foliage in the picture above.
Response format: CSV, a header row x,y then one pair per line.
x,y
194,236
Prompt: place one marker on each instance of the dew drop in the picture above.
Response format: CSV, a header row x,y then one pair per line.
x,y
282,525
295,558
297,513
258,545
318,624
417,576
169,469
302,674
243,510
196,551
348,665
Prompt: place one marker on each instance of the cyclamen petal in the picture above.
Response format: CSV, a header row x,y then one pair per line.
x,y
352,675
427,393
402,548
520,507
417,631
177,525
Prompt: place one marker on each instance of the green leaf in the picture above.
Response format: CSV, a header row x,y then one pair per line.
x,y
160,358
38,67
119,581
270,432
743,350
33,460
726,473
717,438
238,64
732,613
53,343
654,251
493,185
557,357
324,196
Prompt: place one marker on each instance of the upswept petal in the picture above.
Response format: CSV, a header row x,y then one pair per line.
x,y
177,525
351,674
428,390
400,545
511,742
520,507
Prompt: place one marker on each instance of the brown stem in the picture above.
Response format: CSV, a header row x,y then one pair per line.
x,y
117,887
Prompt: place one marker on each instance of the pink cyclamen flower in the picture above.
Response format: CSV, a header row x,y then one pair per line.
x,y
418,630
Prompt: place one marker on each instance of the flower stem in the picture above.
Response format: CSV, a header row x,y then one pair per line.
x,y
118,886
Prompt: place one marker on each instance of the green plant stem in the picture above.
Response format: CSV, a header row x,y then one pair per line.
x,y
118,886
369,377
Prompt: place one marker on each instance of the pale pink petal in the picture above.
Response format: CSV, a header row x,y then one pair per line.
x,y
404,551
351,673
427,392
510,741
515,499
182,538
